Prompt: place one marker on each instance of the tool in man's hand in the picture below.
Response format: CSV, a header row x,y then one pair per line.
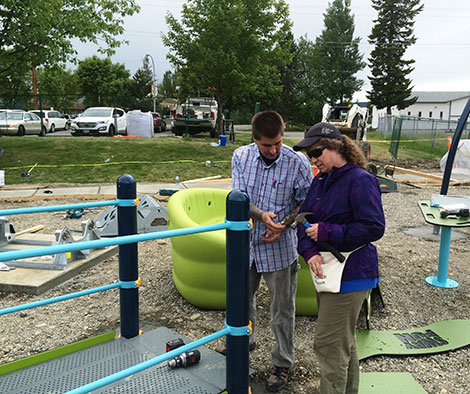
x,y
185,359
330,248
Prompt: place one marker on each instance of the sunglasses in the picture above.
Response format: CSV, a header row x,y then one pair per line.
x,y
316,153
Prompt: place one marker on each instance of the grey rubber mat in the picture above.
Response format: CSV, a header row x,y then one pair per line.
x,y
85,366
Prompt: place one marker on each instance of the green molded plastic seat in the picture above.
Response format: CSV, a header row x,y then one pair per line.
x,y
199,259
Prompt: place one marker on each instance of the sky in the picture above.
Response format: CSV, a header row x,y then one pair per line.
x,y
442,50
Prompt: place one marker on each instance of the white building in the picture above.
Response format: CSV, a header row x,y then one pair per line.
x,y
430,105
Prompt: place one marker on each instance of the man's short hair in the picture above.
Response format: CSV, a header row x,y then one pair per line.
x,y
267,124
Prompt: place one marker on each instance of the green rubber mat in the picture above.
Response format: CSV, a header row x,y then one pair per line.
x,y
437,337
389,383
54,353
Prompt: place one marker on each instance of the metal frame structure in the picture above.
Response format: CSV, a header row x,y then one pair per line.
x,y
237,327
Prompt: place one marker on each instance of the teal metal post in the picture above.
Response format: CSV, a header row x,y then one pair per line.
x,y
238,261
128,263
441,279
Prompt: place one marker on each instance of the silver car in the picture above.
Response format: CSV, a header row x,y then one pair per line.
x,y
18,122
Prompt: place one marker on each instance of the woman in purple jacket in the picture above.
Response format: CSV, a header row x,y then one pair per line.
x,y
346,208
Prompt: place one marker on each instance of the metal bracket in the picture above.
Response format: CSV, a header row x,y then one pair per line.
x,y
151,216
63,236
239,331
239,226
7,231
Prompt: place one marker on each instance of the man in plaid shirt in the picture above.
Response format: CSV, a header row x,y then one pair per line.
x,y
276,178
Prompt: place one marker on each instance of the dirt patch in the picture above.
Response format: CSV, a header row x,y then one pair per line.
x,y
405,262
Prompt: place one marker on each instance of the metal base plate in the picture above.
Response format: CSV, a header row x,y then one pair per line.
x,y
77,369
448,284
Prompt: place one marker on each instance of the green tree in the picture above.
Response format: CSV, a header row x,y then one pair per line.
x,y
307,98
103,83
57,87
40,32
287,105
168,86
391,36
15,88
231,47
140,87
338,55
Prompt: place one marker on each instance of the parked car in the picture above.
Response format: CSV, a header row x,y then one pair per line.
x,y
19,122
100,121
53,120
159,124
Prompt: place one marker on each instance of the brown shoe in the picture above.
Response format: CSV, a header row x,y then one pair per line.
x,y
278,379
223,350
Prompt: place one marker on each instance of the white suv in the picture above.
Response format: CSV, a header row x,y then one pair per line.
x,y
53,120
100,121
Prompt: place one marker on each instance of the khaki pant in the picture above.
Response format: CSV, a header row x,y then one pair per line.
x,y
335,341
282,287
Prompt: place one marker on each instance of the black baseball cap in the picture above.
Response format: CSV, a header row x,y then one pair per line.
x,y
317,131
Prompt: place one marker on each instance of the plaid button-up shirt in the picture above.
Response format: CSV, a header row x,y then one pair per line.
x,y
278,188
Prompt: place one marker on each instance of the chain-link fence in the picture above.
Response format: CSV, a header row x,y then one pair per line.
x,y
427,134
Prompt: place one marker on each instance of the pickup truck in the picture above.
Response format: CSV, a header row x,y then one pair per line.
x,y
100,121
194,116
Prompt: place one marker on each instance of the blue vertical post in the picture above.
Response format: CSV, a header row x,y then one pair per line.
x,y
238,261
441,280
128,259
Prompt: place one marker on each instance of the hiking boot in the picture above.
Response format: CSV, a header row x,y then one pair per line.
x,y
278,379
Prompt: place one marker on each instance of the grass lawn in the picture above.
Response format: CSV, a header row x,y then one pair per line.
x,y
103,160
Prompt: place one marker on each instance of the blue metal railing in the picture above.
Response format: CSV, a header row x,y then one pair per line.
x,y
123,240
53,300
56,208
237,226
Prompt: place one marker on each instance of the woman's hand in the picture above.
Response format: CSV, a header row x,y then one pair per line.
x,y
312,232
315,263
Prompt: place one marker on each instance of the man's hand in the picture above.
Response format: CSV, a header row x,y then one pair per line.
x,y
267,218
315,263
270,237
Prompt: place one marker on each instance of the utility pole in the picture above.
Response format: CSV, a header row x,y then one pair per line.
x,y
153,82
35,89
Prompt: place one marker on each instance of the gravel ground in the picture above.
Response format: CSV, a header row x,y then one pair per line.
x,y
405,261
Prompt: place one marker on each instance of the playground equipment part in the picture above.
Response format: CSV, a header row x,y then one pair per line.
x,y
431,214
437,337
237,327
151,216
63,236
199,260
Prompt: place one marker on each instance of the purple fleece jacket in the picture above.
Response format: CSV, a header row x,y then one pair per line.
x,y
348,207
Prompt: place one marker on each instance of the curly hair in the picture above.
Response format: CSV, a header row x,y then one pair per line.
x,y
268,124
346,148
